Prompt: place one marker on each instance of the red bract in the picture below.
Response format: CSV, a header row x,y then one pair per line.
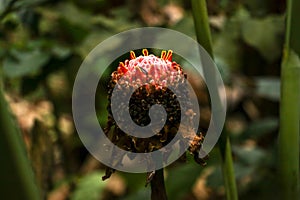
x,y
149,69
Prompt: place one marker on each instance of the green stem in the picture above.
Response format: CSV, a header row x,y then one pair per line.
x,y
290,107
17,180
201,25
204,38
227,167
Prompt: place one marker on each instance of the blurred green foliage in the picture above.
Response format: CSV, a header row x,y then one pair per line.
x,y
88,187
43,42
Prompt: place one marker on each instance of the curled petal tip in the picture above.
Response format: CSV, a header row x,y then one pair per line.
x,y
132,55
163,55
145,52
169,55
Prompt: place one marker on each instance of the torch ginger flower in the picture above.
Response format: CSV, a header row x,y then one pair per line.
x,y
158,73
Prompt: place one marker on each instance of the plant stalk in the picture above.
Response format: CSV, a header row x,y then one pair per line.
x,y
203,34
158,190
290,107
201,24
17,180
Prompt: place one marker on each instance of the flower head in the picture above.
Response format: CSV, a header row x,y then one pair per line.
x,y
150,77
159,72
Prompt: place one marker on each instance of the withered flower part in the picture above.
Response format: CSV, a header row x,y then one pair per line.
x,y
159,73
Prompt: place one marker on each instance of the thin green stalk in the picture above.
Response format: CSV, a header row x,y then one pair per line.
x,y
17,180
204,38
290,107
201,25
227,167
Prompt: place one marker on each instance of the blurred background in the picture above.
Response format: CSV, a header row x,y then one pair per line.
x,y
43,43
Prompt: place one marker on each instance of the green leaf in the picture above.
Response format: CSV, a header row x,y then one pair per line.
x,y
74,15
143,193
17,178
268,87
227,48
264,35
215,179
181,179
91,41
261,127
258,7
60,51
249,155
24,63
89,187
186,26
134,181
243,171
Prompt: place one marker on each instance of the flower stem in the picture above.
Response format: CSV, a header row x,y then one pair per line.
x,y
201,25
158,189
290,107
204,38
17,180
